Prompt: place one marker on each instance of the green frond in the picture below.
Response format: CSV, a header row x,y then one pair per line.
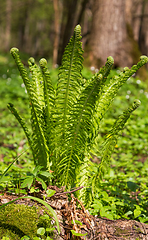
x,y
68,82
49,94
79,126
21,121
31,91
83,179
111,140
40,147
110,90
86,197
49,101
78,129
142,62
15,53
37,80
105,70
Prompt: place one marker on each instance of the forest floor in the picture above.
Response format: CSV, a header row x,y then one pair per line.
x,y
72,212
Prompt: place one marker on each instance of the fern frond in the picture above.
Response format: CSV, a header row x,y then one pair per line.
x,y
76,135
40,147
111,140
110,90
49,100
80,125
36,81
49,94
15,53
83,179
68,88
68,82
21,121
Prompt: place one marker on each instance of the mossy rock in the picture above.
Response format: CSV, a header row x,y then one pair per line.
x,y
18,220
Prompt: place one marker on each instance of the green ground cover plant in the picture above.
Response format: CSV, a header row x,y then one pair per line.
x,y
120,191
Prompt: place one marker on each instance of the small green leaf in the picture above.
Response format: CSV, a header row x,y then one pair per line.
x,y
76,221
42,182
27,182
25,238
97,206
50,229
32,190
137,212
41,231
104,194
128,213
48,238
119,203
50,192
77,234
45,216
46,174
37,169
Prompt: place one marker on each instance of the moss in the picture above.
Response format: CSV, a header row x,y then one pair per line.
x,y
18,220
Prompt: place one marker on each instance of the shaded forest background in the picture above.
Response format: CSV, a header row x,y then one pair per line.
x,y
42,28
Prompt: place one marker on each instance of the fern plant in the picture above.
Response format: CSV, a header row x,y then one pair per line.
x,y
65,120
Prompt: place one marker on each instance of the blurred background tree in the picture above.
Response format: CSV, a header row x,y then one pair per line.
x,y
43,28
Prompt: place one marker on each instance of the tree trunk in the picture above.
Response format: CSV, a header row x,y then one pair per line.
x,y
83,7
143,31
56,29
8,25
137,18
69,12
108,33
23,20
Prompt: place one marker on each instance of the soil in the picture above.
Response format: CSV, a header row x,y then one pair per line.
x,y
73,216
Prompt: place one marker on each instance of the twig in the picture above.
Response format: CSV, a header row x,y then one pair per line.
x,y
56,194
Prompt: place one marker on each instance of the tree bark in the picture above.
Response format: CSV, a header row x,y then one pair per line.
x,y
57,31
23,17
143,31
108,33
69,12
8,24
137,18
83,7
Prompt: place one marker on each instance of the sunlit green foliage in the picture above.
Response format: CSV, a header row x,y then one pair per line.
x,y
65,121
129,161
122,192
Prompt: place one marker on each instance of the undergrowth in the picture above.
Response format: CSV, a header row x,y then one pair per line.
x,y
123,191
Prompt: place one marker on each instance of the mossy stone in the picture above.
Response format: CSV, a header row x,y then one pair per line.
x,y
18,220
